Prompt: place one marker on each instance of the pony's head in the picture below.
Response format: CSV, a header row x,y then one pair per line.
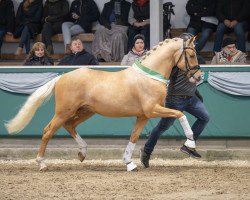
x,y
186,58
177,52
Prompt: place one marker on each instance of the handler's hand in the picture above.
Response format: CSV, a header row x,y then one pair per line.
x,y
227,23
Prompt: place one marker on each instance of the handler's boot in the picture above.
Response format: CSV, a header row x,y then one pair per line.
x,y
189,151
144,157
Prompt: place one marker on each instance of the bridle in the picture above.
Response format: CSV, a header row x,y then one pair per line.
x,y
187,65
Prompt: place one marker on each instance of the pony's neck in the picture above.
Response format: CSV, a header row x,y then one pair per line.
x,y
162,58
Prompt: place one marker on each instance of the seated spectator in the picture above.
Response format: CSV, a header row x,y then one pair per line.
x,y
232,16
229,54
202,20
139,19
55,12
137,52
28,23
82,14
110,40
78,56
7,19
38,55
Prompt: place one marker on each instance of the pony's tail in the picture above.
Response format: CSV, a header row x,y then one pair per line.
x,y
25,114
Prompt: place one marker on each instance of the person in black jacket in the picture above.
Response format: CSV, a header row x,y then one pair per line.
x,y
55,12
232,16
78,56
28,23
183,96
110,39
139,21
7,19
202,19
82,14
38,55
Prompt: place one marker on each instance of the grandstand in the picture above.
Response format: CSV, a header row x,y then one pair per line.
x,y
179,22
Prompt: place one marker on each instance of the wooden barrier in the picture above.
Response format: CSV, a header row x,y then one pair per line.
x,y
85,37
88,38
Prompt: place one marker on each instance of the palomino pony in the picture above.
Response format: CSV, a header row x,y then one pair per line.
x,y
139,90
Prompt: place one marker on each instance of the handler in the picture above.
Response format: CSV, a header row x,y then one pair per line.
x,y
184,96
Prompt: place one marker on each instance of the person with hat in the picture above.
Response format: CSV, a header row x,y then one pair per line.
x,y
184,96
229,54
137,52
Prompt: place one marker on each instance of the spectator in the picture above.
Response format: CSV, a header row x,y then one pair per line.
x,y
232,16
82,14
38,55
110,40
54,14
137,52
229,54
202,20
78,56
28,23
139,20
7,19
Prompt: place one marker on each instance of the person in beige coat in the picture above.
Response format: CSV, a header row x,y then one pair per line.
x,y
229,54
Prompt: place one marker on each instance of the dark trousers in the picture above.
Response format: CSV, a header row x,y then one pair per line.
x,y
239,29
49,30
2,33
134,31
25,39
205,34
192,105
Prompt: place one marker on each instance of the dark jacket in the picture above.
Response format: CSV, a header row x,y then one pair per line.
x,y
88,12
232,10
57,11
201,8
7,16
108,8
81,58
141,13
39,61
31,18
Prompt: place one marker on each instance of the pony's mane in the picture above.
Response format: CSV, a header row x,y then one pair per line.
x,y
166,41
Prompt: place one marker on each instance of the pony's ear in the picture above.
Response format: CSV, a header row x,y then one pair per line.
x,y
191,40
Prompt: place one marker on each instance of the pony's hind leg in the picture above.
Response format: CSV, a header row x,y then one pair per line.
x,y
48,132
70,126
140,123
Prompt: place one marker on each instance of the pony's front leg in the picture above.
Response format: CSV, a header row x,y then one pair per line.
x,y
159,111
140,123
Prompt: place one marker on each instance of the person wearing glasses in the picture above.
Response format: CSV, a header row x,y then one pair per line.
x,y
229,54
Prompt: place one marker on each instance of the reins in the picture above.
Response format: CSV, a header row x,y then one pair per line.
x,y
187,65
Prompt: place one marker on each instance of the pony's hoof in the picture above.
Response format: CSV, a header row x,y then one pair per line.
x,y
43,169
131,167
81,156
